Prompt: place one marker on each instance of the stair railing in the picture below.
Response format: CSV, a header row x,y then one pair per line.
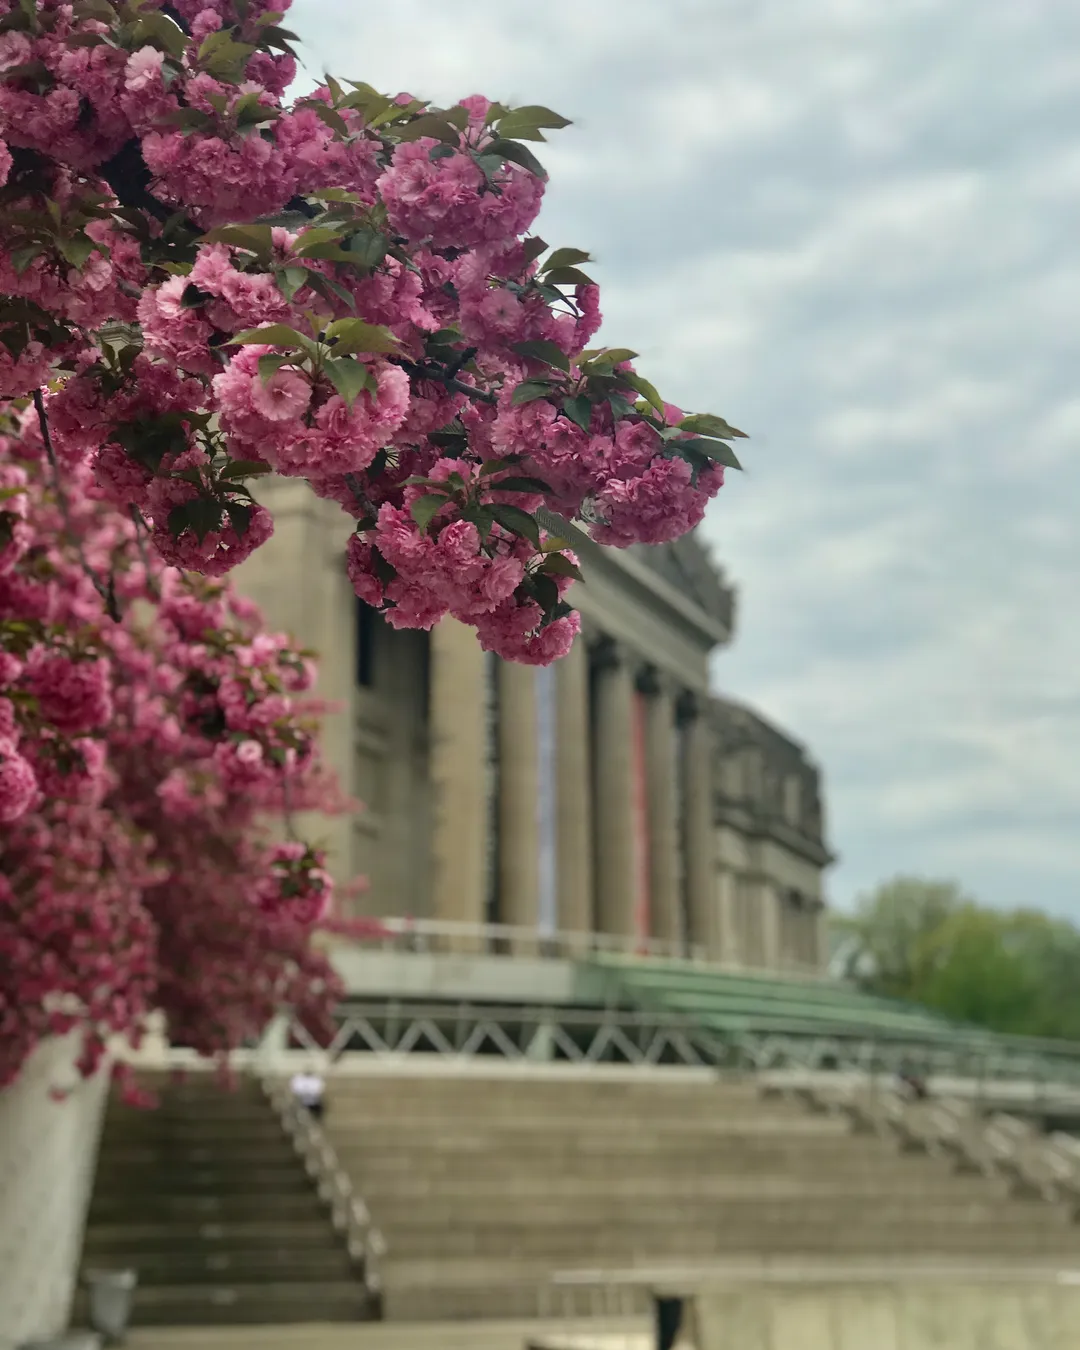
x,y
998,1145
350,1216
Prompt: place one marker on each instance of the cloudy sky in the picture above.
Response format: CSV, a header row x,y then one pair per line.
x,y
850,227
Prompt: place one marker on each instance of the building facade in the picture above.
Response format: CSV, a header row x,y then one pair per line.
x,y
611,794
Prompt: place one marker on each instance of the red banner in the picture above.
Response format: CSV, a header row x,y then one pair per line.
x,y
642,905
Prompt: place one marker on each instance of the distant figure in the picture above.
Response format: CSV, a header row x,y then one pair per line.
x,y
308,1088
913,1085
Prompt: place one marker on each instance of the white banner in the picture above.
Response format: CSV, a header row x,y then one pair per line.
x,y
546,714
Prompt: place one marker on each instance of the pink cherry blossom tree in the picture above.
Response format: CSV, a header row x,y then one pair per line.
x,y
202,282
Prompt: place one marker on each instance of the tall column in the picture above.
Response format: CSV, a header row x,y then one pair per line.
x,y
573,786
699,833
519,855
728,949
664,863
773,956
459,832
614,800
298,580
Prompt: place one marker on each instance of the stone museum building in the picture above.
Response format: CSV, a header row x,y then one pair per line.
x,y
613,793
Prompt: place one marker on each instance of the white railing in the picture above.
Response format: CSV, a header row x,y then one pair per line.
x,y
998,1145
443,936
349,1214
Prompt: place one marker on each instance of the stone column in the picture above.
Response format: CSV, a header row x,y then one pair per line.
x,y
728,947
298,580
519,858
459,833
573,786
614,799
699,832
772,927
664,862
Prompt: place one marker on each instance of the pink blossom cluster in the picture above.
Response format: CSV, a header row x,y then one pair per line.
x,y
211,282
145,767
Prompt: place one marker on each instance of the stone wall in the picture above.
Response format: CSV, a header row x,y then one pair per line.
x,y
47,1154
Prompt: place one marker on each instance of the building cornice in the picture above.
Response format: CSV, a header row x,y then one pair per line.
x,y
708,630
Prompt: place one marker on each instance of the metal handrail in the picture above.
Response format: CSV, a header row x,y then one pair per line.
x,y
432,935
349,1214
997,1145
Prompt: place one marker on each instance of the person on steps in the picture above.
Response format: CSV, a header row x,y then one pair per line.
x,y
308,1088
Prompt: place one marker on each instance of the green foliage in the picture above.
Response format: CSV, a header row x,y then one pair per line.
x,y
1012,971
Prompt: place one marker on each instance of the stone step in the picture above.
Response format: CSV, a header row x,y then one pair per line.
x,y
143,1178
273,1153
640,1205
105,1239
364,1162
178,1265
605,1243
194,1129
252,1304
116,1206
491,1334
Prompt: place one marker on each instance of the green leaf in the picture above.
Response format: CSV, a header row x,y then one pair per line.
x,y
560,565
532,248
274,335
718,450
579,411
550,353
239,514
613,356
21,258
76,250
223,57
256,239
705,424
248,111
529,390
317,234
644,388
567,276
290,280
517,154
202,516
349,377
244,468
431,124
155,29
545,590
527,121
192,297
520,484
566,257
355,335
423,510
367,246
332,119
269,365
490,466
517,521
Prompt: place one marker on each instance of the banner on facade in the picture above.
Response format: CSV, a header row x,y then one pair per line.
x,y
643,900
546,713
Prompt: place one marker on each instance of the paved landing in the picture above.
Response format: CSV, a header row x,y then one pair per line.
x,y
625,1334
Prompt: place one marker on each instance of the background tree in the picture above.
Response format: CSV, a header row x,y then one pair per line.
x,y
1013,971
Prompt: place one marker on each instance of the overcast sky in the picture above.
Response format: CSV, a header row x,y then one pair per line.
x,y
852,227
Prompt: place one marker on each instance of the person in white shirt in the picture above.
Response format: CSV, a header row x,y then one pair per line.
x,y
308,1089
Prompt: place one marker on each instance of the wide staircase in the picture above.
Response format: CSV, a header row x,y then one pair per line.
x,y
483,1186
206,1200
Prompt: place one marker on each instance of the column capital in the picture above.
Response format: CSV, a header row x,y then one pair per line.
x,y
657,683
608,653
690,706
